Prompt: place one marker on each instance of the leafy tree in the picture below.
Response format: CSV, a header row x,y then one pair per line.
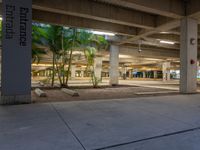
x,y
72,44
96,43
50,38
69,43
61,42
37,50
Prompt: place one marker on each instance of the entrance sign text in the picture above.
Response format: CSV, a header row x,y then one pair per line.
x,y
16,47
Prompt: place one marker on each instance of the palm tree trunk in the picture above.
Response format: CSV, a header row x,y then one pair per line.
x,y
93,76
69,67
60,80
63,77
53,74
63,63
70,58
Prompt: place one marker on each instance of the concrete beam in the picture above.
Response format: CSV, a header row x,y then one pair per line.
x,y
168,8
193,8
98,11
148,41
152,52
170,37
66,20
166,27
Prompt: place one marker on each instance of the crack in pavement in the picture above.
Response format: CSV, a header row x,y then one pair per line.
x,y
149,138
125,143
68,126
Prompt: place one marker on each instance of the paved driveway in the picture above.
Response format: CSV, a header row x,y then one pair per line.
x,y
151,123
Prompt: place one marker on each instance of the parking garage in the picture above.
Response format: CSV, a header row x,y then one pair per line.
x,y
118,75
148,41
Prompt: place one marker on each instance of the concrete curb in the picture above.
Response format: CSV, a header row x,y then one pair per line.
x,y
70,92
40,93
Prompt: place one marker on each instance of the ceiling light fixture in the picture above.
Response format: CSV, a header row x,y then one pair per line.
x,y
167,42
103,33
163,32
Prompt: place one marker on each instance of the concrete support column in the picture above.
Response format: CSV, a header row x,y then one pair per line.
x,y
82,73
198,68
16,52
168,75
124,69
144,74
155,74
130,74
73,71
98,67
114,65
49,73
188,55
166,71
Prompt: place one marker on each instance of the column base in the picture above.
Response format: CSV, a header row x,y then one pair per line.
x,y
188,92
114,84
17,99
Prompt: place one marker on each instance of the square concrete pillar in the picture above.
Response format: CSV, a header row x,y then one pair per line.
x,y
130,74
144,74
168,75
155,74
188,56
124,69
166,71
82,73
73,71
98,67
16,52
198,67
114,65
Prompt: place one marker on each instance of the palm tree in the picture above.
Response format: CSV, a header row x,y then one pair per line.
x,y
73,43
97,43
61,42
69,42
37,50
90,54
50,38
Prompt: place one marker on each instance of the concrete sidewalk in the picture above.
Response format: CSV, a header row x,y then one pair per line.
x,y
153,123
159,84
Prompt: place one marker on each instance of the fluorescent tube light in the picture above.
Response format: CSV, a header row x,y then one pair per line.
x,y
103,33
167,42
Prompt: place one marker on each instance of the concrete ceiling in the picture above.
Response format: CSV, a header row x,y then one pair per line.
x,y
135,20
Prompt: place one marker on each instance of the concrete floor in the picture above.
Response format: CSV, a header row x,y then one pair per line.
x,y
151,123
